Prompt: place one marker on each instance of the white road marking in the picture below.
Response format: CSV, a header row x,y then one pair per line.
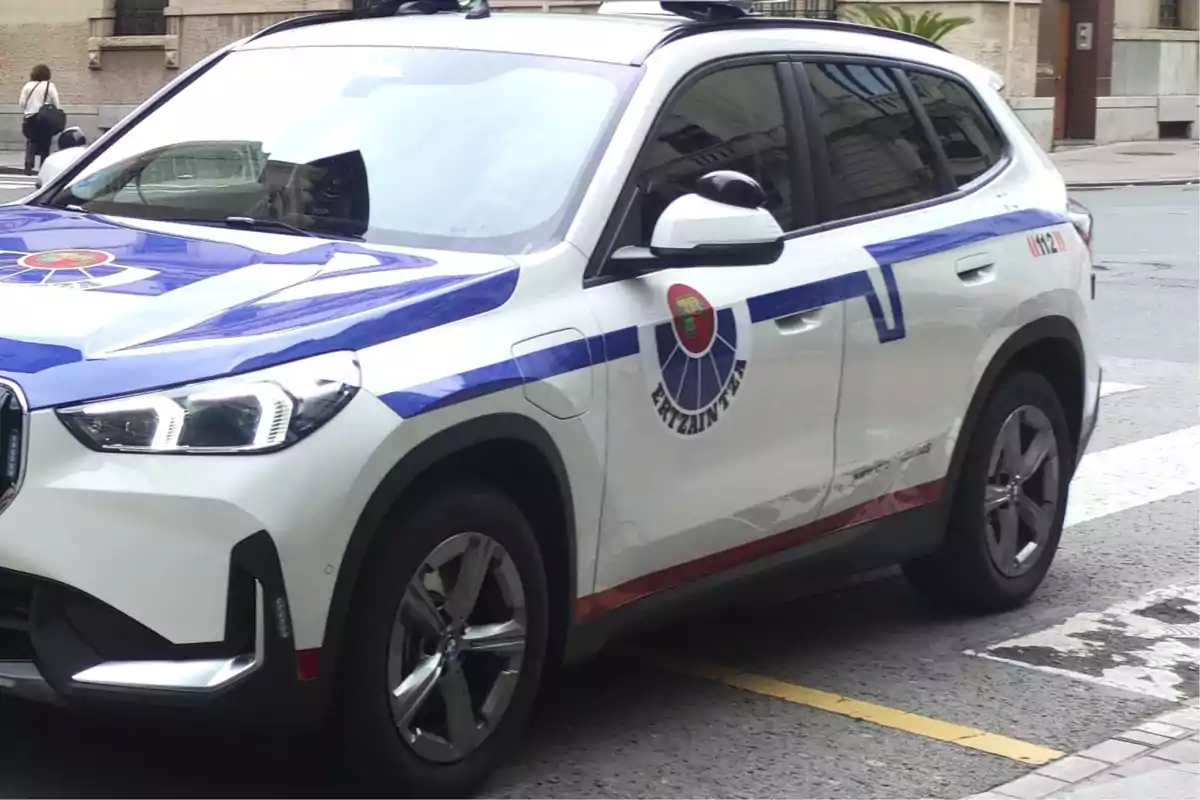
x,y
1149,646
15,185
1134,474
1112,387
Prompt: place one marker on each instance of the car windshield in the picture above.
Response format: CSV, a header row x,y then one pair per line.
x,y
443,149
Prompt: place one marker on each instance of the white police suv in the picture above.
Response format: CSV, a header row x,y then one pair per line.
x,y
384,360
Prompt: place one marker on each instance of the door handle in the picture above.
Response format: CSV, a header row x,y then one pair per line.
x,y
799,323
976,269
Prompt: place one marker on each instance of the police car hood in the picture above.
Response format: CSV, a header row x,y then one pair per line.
x,y
94,306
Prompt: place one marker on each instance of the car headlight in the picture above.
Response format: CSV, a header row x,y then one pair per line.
x,y
254,413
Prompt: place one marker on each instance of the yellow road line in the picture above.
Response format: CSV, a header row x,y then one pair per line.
x,y
1003,746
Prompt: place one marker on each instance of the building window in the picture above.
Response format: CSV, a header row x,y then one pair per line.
x,y
140,18
820,9
1168,13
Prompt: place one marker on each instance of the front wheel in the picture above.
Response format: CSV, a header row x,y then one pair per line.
x,y
1007,513
447,641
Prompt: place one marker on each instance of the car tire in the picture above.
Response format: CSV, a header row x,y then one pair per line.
x,y
390,646
978,567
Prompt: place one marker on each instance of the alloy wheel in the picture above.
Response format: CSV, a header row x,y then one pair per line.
x,y
1021,497
456,647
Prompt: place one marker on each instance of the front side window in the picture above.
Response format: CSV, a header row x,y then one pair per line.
x,y
878,155
727,120
969,138
455,150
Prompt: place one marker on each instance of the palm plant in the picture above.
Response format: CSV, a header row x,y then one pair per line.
x,y
931,25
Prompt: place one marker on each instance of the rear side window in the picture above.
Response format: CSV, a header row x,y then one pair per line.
x,y
731,119
972,143
878,155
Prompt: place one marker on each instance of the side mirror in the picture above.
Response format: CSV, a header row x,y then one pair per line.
x,y
722,224
56,163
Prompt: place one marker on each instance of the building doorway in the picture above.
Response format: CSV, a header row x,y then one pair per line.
x,y
1053,52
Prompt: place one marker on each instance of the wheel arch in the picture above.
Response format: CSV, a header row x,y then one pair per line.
x,y
1051,346
471,449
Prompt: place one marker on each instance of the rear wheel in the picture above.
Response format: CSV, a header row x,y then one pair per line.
x,y
446,649
1008,509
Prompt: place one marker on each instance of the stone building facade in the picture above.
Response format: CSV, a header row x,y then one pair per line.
x,y
1093,70
1086,70
1155,78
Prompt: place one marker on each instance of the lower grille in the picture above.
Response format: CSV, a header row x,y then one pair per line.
x,y
16,597
13,428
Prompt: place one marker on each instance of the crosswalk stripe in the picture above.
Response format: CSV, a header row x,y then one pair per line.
x,y
1132,475
1108,388
1149,645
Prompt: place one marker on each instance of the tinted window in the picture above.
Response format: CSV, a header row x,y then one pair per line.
x,y
969,138
732,119
878,155
417,147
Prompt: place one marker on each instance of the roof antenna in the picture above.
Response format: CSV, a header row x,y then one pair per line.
x,y
478,9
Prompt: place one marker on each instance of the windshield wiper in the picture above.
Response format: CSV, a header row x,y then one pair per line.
x,y
257,224
278,225
253,223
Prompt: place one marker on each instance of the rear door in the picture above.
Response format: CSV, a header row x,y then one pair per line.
x,y
908,180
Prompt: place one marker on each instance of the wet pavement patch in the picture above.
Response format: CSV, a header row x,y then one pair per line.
x,y
1173,610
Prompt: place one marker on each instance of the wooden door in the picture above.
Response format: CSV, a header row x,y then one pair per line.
x,y
1054,43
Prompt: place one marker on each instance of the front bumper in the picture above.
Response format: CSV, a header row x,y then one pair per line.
x,y
178,581
1091,415
58,645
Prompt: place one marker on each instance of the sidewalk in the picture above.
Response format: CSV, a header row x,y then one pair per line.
x,y
1124,164
1157,760
11,162
1130,163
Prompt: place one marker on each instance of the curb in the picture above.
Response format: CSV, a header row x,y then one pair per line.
x,y
1160,752
1123,184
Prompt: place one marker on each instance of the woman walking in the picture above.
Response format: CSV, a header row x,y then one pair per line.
x,y
40,123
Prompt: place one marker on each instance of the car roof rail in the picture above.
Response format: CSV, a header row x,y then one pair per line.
x,y
374,9
303,21
705,16
730,15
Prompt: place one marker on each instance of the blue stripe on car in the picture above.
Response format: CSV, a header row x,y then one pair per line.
x,y
262,317
177,261
507,374
30,357
766,307
52,375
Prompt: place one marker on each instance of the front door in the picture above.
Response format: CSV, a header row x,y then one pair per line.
x,y
721,420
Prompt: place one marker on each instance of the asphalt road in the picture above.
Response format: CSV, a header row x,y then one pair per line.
x,y
620,728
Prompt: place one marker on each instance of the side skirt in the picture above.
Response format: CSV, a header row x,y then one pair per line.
x,y
844,551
